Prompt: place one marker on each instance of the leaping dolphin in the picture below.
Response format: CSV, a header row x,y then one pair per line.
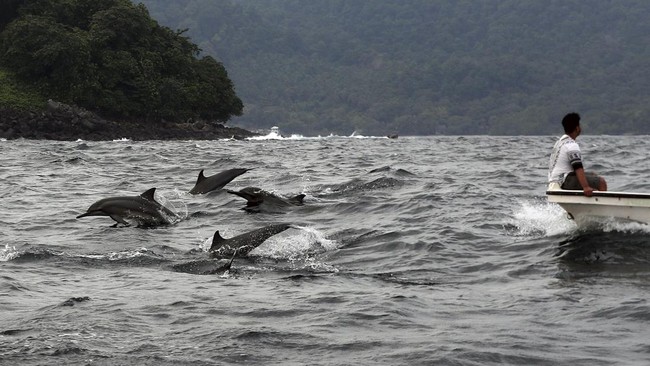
x,y
256,197
143,209
207,184
241,245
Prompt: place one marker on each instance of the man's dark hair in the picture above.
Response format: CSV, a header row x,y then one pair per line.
x,y
570,122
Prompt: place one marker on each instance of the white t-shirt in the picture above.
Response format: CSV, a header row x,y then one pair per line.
x,y
565,158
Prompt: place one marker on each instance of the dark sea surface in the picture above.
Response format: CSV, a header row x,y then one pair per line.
x,y
408,251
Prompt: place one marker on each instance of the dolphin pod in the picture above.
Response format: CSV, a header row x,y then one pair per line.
x,y
143,209
207,184
242,244
256,196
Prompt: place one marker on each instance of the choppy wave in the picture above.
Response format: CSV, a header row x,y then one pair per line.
x,y
430,250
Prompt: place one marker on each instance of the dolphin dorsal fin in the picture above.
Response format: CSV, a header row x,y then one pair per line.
x,y
201,177
148,194
298,198
216,240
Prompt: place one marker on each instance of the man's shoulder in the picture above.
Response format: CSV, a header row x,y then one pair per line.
x,y
571,144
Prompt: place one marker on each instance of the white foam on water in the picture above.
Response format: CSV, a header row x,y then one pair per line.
x,y
550,219
295,244
536,217
613,225
8,253
176,202
114,256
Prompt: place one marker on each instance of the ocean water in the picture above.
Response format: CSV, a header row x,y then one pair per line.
x,y
408,251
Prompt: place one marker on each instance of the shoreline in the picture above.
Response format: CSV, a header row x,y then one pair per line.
x,y
61,122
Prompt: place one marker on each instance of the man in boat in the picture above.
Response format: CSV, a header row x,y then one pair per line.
x,y
565,166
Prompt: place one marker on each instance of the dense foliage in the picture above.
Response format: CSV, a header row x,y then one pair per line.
x,y
110,56
428,66
16,95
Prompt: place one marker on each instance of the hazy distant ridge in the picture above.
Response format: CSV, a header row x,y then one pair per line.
x,y
425,67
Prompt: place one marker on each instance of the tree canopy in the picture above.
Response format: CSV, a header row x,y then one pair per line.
x,y
428,66
110,56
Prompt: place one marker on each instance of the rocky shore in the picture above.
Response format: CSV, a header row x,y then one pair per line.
x,y
70,123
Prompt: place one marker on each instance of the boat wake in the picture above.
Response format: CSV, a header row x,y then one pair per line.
x,y
540,218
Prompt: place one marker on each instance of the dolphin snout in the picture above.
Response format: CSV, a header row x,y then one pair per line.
x,y
91,213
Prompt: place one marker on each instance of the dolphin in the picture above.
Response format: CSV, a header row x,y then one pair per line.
x,y
206,266
257,197
143,209
241,245
207,184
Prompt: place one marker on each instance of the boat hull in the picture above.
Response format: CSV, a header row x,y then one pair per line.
x,y
621,205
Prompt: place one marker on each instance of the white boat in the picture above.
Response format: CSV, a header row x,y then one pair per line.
x,y
620,205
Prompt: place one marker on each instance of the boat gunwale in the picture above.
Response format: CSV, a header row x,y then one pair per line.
x,y
609,194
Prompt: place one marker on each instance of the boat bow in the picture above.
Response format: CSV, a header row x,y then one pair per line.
x,y
622,205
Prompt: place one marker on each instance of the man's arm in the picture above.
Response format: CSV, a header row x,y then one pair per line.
x,y
582,179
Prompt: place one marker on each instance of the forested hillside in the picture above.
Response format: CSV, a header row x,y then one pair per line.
x,y
110,57
425,66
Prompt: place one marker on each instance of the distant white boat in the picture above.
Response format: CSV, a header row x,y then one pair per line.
x,y
620,205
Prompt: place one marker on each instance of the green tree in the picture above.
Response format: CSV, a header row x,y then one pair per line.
x,y
111,57
213,88
38,49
